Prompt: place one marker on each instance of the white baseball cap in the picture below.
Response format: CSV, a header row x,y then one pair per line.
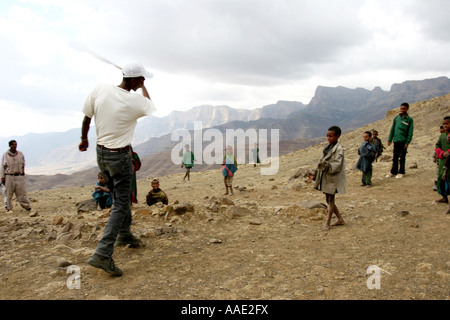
x,y
135,70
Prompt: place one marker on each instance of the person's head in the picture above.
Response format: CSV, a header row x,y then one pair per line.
x,y
441,129
155,184
133,83
333,134
446,124
134,75
101,178
187,147
229,149
374,134
404,107
367,135
12,145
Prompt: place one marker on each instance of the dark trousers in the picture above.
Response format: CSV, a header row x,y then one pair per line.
x,y
399,157
118,168
367,177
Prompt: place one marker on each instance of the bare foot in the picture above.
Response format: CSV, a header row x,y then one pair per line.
x,y
447,212
338,223
326,227
225,194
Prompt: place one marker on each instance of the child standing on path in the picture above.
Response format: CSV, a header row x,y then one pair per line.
x,y
187,162
229,167
330,174
401,134
436,160
377,143
445,185
366,153
442,152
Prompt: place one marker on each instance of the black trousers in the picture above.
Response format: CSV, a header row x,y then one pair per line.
x,y
399,157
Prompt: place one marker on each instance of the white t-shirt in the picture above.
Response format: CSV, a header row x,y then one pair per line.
x,y
116,112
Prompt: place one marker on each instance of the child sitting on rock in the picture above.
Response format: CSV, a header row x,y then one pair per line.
x,y
102,194
156,194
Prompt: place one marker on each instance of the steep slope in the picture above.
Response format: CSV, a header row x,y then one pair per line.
x,y
349,108
263,243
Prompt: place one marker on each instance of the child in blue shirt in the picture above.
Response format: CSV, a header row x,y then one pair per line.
x,y
367,153
102,194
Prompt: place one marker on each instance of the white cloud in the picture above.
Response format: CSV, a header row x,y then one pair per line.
x,y
245,54
18,120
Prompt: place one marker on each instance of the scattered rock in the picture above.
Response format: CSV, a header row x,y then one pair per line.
x,y
311,204
86,206
33,213
227,201
233,212
403,213
278,209
69,231
183,208
215,241
255,222
301,173
63,264
164,232
214,207
57,220
143,211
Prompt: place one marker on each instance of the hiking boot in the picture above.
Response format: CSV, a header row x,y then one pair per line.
x,y
130,240
106,264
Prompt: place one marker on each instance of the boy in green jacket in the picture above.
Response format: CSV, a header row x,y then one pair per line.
x,y
401,134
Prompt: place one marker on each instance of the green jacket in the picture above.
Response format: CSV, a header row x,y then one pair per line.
x,y
402,129
188,159
155,196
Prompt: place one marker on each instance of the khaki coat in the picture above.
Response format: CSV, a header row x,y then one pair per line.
x,y
330,173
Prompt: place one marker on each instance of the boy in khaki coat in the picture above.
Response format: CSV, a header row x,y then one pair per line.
x,y
330,174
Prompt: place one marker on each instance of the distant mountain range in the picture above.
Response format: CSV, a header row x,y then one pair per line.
x,y
299,126
347,108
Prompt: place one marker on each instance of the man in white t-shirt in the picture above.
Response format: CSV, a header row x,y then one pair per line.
x,y
116,110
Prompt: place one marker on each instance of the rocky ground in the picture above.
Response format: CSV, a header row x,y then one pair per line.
x,y
264,242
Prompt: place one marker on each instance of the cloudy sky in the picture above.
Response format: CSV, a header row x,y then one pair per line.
x,y
240,53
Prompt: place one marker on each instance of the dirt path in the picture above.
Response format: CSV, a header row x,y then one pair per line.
x,y
265,245
276,250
